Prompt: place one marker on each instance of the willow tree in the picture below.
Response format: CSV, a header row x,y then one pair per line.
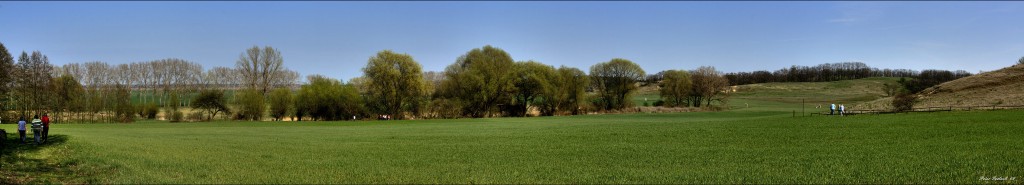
x,y
394,83
675,87
614,81
567,92
479,81
531,80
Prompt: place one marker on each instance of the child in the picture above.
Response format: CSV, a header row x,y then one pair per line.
x,y
842,109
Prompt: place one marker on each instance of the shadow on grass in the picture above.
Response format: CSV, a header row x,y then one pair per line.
x,y
29,163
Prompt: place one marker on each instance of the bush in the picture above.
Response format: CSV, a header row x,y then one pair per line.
x,y
444,108
172,113
280,103
174,116
123,110
195,116
149,111
660,103
328,99
210,102
251,105
892,89
903,102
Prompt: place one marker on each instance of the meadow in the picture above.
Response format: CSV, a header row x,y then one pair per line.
x,y
757,141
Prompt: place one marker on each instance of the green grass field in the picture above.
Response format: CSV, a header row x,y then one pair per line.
x,y
757,141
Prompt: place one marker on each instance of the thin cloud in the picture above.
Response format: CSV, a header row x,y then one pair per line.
x,y
853,12
843,20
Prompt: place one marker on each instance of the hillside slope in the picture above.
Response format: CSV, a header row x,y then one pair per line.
x,y
1003,87
845,91
1000,87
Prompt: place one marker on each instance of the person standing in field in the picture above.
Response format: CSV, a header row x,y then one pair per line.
x,y
37,129
832,110
21,128
46,127
842,110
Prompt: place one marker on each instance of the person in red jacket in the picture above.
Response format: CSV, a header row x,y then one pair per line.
x,y
46,127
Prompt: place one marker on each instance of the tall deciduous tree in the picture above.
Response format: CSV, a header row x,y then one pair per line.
x,y
33,82
67,93
675,87
6,76
531,80
614,81
480,80
394,82
571,89
708,84
260,68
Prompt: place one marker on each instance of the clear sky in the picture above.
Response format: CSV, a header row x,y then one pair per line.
x,y
336,38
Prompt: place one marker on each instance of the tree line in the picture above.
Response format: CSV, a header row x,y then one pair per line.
x,y
831,72
484,82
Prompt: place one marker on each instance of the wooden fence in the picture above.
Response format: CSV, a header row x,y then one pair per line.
x,y
930,109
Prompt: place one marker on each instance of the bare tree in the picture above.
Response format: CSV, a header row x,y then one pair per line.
x,y
260,68
707,84
222,77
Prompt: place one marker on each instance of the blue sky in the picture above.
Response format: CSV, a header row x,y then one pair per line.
x,y
336,38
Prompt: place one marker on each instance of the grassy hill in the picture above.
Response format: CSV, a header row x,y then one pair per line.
x,y
787,94
1003,87
845,91
1000,87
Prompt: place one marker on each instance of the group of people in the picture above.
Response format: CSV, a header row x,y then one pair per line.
x,y
841,110
40,128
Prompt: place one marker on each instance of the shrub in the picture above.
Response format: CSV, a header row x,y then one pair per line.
x,y
123,109
250,104
195,116
328,99
903,102
660,103
892,89
280,103
174,116
149,111
444,108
